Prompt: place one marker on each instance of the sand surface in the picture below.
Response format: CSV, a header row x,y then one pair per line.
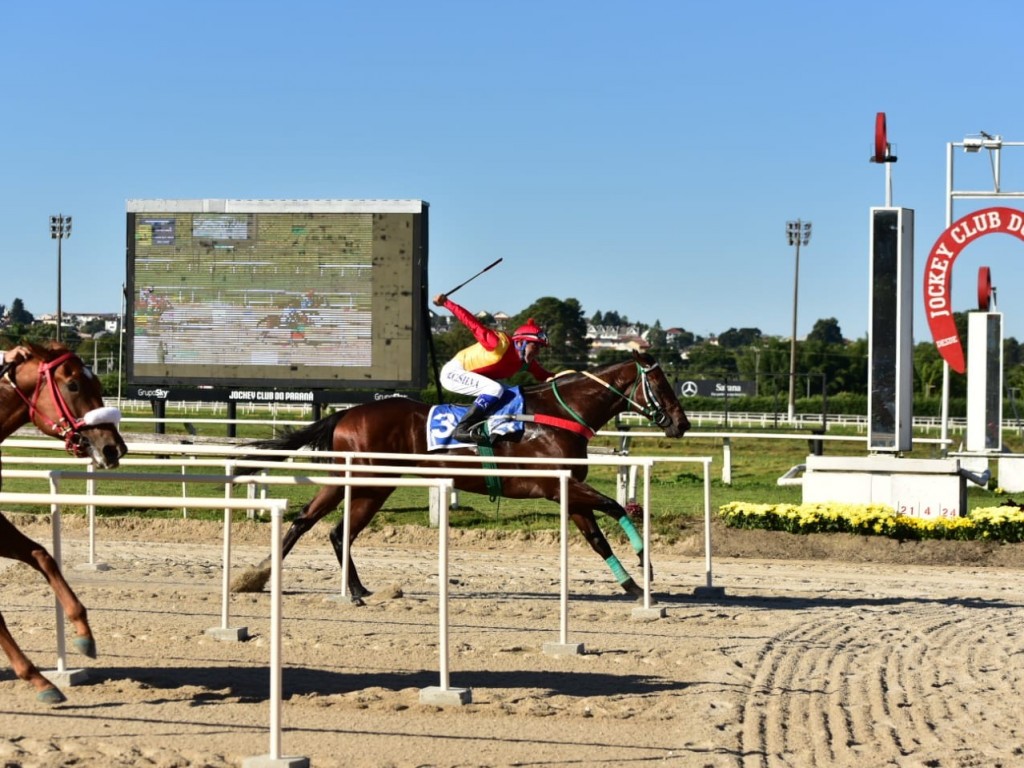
x,y
852,653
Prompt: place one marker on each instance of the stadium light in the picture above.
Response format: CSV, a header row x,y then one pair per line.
x,y
798,233
60,228
982,141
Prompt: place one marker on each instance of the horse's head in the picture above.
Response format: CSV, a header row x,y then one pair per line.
x,y
658,398
64,399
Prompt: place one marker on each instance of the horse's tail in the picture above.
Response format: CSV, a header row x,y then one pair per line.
x,y
319,436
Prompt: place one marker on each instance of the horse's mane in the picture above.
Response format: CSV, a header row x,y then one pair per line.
x,y
49,351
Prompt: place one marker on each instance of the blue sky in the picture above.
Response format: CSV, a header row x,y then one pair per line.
x,y
642,157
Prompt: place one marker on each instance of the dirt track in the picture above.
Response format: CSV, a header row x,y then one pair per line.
x,y
801,663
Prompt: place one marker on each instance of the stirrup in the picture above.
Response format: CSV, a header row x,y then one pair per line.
x,y
471,433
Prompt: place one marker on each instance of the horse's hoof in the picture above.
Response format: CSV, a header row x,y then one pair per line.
x,y
85,646
358,595
640,563
51,696
632,588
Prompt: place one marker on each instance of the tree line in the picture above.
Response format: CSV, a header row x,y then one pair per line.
x,y
20,325
829,366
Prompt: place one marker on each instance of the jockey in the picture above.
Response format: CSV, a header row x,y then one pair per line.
x,y
495,355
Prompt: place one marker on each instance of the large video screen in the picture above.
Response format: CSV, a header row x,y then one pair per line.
x,y
272,293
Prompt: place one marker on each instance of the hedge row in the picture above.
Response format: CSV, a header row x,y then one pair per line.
x,y
1004,524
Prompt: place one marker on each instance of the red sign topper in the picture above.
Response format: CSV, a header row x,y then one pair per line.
x,y
881,139
939,269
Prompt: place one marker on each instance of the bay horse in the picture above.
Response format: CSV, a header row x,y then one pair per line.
x,y
560,417
54,390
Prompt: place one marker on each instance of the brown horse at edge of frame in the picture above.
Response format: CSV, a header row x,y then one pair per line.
x,y
54,390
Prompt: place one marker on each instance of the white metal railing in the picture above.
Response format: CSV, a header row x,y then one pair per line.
x,y
299,415
727,439
621,461
698,418
230,458
276,507
811,420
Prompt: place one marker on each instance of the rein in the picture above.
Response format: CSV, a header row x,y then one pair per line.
x,y
653,412
68,427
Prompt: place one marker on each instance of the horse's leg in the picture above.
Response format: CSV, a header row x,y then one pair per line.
x,y
366,502
326,500
582,501
15,545
615,510
26,670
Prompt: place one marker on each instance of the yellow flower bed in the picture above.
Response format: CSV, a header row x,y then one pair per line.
x,y
1004,524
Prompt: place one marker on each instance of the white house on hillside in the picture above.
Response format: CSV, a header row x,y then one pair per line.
x,y
622,338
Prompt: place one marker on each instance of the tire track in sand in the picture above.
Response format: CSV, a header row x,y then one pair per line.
x,y
877,685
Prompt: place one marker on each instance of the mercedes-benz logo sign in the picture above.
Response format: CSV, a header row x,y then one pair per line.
x,y
689,388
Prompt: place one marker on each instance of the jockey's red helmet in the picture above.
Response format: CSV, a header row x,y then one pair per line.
x,y
531,332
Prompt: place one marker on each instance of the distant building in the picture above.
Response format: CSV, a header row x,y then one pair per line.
x,y
620,338
442,321
672,335
75,320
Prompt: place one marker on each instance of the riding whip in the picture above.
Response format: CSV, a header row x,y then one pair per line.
x,y
474,277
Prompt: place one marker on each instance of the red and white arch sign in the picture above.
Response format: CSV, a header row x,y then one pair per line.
x,y
939,269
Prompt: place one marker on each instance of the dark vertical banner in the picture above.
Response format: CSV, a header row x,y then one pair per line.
x,y
994,382
885,244
890,329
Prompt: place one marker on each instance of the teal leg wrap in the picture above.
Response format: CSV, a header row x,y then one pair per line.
x,y
617,570
634,538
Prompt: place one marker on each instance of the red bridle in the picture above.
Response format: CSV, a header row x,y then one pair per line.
x,y
68,426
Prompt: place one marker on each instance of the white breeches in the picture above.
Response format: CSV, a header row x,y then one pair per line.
x,y
456,379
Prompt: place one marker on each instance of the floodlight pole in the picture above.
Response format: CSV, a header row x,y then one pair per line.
x,y
60,228
799,233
